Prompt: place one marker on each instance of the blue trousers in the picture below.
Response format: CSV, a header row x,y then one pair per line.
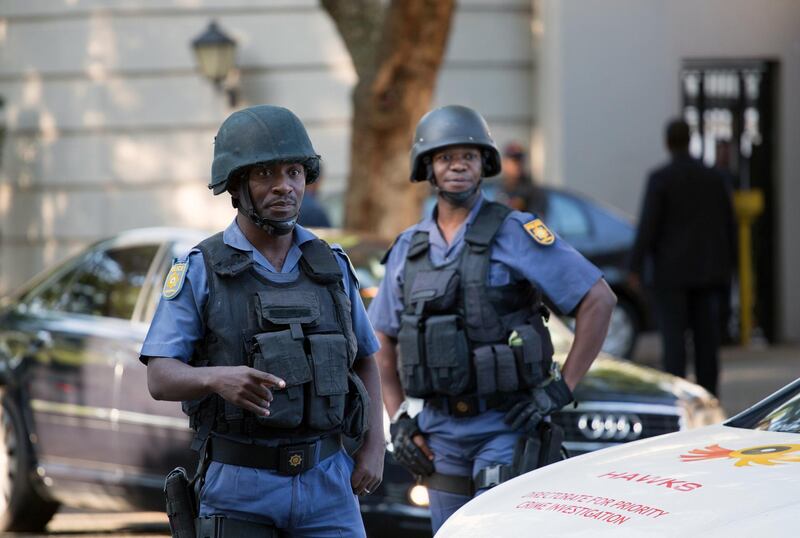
x,y
464,446
317,503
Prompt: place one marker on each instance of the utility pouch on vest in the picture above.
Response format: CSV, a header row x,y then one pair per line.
x,y
356,420
325,403
437,289
495,369
281,355
485,367
279,308
447,354
414,376
530,356
507,378
180,504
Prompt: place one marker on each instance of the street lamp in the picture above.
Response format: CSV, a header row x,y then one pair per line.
x,y
216,58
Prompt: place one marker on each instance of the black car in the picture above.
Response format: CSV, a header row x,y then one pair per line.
x,y
605,236
80,429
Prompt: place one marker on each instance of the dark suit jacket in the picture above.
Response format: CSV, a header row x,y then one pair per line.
x,y
686,226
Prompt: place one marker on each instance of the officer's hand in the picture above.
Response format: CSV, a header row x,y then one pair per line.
x,y
245,387
410,449
526,415
368,471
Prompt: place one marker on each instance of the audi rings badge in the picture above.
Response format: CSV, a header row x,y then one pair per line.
x,y
610,427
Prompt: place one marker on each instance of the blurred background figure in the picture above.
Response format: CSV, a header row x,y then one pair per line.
x,y
312,213
516,188
686,226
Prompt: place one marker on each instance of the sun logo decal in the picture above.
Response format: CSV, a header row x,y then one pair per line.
x,y
758,455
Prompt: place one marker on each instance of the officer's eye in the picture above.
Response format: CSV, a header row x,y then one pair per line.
x,y
263,172
295,171
470,156
443,157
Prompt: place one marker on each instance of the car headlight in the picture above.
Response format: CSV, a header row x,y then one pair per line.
x,y
418,495
610,426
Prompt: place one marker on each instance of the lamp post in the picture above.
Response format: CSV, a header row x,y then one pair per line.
x,y
216,58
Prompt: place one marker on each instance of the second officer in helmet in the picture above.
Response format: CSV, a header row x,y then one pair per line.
x,y
461,321
261,333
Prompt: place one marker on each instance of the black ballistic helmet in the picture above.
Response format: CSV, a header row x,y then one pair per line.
x,y
260,134
452,125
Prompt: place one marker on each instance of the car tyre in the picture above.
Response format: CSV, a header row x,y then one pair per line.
x,y
623,330
22,509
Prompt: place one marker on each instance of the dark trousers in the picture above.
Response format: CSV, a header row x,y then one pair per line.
x,y
696,310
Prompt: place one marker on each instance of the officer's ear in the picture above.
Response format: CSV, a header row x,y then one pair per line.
x,y
233,187
486,156
427,162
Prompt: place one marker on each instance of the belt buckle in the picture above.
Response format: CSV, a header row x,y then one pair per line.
x,y
463,406
294,459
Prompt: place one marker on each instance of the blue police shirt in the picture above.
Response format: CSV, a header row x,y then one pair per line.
x,y
178,322
562,274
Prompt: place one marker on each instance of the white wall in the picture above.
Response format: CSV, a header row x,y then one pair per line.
x,y
609,72
110,127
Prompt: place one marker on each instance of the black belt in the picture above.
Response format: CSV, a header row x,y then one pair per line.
x,y
488,477
470,405
286,459
225,527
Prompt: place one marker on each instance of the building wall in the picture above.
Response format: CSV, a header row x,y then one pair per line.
x,y
609,74
110,127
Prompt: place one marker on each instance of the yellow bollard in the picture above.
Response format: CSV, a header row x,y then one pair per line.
x,y
747,204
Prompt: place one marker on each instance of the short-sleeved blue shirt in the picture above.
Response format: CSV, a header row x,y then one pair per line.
x,y
178,322
562,274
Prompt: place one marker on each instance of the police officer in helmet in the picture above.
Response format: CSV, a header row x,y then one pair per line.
x,y
262,335
461,322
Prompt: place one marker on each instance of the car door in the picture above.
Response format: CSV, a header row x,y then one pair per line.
x,y
154,435
79,331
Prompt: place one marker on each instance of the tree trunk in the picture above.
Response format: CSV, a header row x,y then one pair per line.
x,y
397,69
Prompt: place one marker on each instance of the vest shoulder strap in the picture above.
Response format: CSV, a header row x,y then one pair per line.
x,y
419,244
486,224
319,262
223,259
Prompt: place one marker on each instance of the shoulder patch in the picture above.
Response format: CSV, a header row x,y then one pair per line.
x,y
175,278
540,233
340,251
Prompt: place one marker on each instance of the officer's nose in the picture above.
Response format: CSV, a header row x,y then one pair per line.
x,y
458,165
282,185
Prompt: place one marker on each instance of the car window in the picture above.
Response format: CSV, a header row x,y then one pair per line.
x,y
566,216
48,295
107,284
179,250
784,418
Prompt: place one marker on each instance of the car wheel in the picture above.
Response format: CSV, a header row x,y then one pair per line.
x,y
623,330
21,507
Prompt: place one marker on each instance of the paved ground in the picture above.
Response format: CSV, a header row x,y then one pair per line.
x,y
747,374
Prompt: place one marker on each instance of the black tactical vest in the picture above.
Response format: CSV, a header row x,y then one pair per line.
x,y
458,335
300,331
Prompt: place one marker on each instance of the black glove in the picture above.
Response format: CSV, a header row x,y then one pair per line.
x,y
527,414
406,453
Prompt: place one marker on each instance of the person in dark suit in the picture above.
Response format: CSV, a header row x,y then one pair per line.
x,y
686,228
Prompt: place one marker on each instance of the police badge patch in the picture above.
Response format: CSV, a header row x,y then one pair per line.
x,y
540,233
175,278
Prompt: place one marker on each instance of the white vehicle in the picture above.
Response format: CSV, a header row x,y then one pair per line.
x,y
736,479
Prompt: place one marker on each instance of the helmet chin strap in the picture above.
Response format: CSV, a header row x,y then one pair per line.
x,y
271,226
461,198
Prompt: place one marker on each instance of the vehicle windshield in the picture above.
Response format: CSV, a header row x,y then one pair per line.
x,y
778,413
784,418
